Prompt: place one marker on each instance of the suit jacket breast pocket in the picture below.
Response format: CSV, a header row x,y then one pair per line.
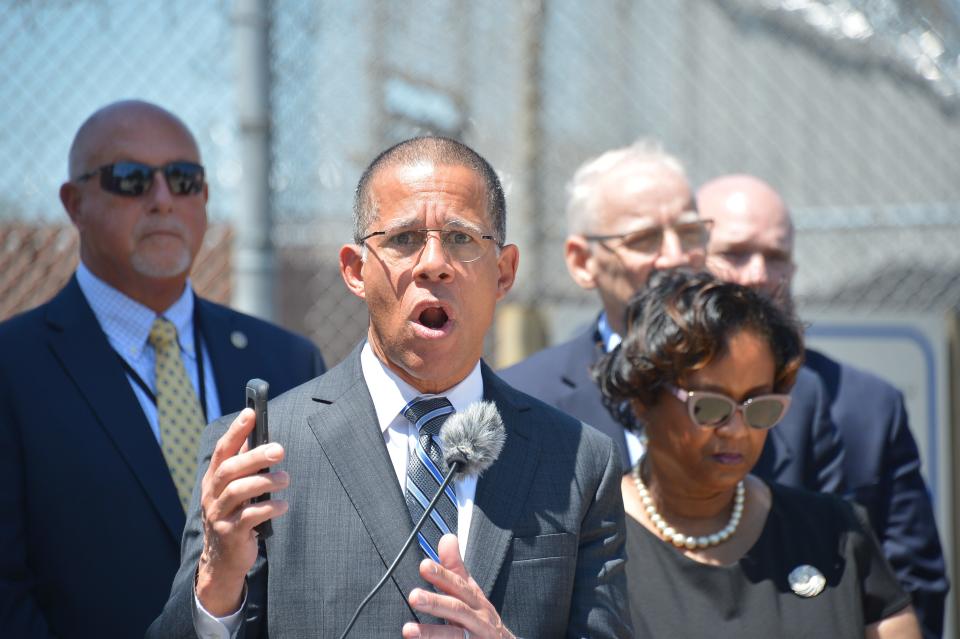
x,y
539,547
537,586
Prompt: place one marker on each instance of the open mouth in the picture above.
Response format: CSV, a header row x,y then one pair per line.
x,y
433,317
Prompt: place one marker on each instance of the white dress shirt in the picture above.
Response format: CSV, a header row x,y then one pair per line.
x,y
390,395
127,323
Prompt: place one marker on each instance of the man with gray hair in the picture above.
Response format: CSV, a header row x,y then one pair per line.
x,y
630,212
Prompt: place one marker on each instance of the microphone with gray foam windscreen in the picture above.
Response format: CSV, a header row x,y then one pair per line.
x,y
471,441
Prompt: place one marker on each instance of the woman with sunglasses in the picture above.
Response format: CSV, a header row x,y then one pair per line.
x,y
713,551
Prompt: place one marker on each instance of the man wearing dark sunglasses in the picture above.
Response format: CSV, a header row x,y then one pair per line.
x,y
96,462
752,244
631,212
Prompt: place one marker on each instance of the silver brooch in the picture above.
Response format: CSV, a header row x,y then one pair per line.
x,y
238,339
806,581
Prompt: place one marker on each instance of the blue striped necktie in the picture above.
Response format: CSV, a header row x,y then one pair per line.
x,y
425,472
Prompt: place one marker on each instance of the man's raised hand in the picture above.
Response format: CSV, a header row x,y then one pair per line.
x,y
229,541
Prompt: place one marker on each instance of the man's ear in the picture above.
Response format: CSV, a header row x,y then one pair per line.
x,y
507,263
351,269
70,197
579,258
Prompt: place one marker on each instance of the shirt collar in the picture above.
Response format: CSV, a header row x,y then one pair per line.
x,y
390,393
127,322
609,338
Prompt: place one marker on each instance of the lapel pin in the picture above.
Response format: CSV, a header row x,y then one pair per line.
x,y
806,581
238,339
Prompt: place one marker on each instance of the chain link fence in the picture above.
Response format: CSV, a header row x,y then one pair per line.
x,y
849,108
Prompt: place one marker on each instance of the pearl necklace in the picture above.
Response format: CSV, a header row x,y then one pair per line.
x,y
689,541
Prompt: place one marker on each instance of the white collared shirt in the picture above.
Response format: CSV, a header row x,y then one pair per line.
x,y
127,323
390,395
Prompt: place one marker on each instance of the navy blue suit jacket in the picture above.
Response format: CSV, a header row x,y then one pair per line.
x,y
883,474
804,450
91,523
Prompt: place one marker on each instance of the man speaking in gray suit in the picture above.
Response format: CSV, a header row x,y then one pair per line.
x,y
538,546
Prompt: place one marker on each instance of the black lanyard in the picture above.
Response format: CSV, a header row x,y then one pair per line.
x,y
198,349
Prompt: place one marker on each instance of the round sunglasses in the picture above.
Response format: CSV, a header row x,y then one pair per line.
x,y
712,410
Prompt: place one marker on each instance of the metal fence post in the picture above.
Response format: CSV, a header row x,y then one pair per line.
x,y
254,258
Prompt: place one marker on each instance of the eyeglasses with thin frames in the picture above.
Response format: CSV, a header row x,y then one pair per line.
x,y
692,235
712,410
401,246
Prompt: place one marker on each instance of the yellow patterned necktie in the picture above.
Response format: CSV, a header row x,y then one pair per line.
x,y
178,409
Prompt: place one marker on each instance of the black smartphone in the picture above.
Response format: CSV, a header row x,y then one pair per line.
x,y
256,396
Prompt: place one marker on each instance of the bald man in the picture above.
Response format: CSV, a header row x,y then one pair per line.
x,y
93,456
751,243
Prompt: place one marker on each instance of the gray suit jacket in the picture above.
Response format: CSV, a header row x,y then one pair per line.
x,y
546,540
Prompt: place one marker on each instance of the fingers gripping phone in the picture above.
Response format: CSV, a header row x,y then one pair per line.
x,y
256,396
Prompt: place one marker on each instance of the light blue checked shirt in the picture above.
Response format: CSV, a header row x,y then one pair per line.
x,y
127,325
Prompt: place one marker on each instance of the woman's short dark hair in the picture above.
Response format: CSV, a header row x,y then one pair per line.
x,y
680,323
